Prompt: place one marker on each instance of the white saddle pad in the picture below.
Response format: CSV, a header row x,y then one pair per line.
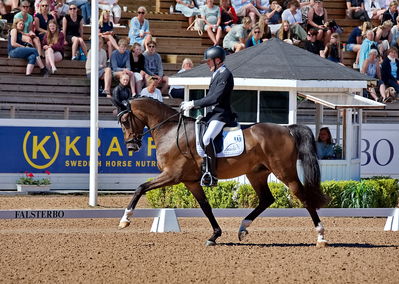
x,y
233,143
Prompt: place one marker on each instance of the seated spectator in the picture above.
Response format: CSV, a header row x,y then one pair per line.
x,y
274,16
263,25
188,9
371,67
294,17
332,51
121,94
284,33
367,44
120,64
373,9
113,7
211,15
245,8
262,6
355,40
153,66
72,27
83,5
106,32
51,8
355,10
41,19
18,48
306,6
390,70
255,37
317,19
383,36
137,64
13,4
139,29
312,44
28,35
104,72
53,45
325,145
228,15
235,39
151,90
177,92
391,13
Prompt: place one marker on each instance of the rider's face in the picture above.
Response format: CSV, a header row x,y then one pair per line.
x,y
211,63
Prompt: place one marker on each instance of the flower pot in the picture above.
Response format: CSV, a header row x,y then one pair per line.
x,y
32,188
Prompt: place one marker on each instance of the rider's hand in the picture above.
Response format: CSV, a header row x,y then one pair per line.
x,y
187,105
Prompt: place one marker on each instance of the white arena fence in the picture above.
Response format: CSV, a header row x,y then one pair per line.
x,y
166,220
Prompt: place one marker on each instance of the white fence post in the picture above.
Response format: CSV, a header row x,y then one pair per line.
x,y
392,223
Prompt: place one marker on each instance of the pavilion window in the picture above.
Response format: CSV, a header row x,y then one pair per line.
x,y
274,107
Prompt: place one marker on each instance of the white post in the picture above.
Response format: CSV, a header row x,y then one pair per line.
x,y
94,106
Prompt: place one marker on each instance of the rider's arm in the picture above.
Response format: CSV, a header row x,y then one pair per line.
x,y
215,92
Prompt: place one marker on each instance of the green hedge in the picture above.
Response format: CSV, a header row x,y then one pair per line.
x,y
367,193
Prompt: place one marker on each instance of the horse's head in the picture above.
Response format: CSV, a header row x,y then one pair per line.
x,y
132,128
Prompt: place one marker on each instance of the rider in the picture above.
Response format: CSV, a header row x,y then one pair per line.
x,y
218,97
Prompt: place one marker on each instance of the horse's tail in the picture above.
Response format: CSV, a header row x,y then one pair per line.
x,y
312,196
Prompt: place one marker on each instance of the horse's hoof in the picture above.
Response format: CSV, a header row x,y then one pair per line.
x,y
242,234
123,225
210,243
321,244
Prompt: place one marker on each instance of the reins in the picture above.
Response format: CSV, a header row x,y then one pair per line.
x,y
181,122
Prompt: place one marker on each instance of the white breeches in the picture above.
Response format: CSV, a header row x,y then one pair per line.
x,y
212,131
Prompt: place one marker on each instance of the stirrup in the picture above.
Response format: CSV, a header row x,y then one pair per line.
x,y
208,180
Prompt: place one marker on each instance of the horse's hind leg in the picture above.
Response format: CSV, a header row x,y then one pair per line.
x,y
259,184
199,194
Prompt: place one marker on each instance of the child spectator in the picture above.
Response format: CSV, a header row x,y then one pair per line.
x,y
53,44
245,8
139,28
294,17
255,37
317,19
151,91
332,51
188,9
27,33
104,72
211,15
312,44
121,94
153,65
235,39
120,64
41,19
228,15
264,27
17,48
113,7
390,70
72,27
177,92
371,67
106,32
325,145
137,64
284,33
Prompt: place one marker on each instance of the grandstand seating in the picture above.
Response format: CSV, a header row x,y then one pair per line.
x,y
65,95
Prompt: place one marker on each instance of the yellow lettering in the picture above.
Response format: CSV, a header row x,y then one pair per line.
x,y
71,146
39,147
114,147
151,146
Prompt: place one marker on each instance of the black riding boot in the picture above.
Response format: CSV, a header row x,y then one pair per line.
x,y
209,167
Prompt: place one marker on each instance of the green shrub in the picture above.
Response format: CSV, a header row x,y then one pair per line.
x,y
360,195
222,195
334,190
388,190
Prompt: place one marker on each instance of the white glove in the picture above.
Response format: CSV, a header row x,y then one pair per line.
x,y
187,105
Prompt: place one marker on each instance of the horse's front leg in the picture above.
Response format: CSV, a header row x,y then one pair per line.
x,y
163,179
321,241
199,194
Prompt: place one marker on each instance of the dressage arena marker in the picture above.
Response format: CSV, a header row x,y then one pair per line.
x,y
166,220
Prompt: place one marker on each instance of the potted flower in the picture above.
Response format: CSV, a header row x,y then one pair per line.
x,y
31,183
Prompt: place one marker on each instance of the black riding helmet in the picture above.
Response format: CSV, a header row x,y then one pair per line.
x,y
215,52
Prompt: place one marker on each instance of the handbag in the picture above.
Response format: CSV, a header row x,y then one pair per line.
x,y
197,25
335,28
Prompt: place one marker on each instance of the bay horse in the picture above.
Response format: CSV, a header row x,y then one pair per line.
x,y
269,148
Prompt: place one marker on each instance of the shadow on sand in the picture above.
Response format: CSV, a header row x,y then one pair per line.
x,y
334,245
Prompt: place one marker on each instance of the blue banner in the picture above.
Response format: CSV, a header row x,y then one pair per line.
x,y
67,150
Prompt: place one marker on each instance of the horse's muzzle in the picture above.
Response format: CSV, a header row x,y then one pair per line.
x,y
132,147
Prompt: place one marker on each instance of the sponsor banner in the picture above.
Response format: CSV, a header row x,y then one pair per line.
x,y
66,150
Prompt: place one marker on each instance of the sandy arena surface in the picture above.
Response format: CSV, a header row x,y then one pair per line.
x,y
277,250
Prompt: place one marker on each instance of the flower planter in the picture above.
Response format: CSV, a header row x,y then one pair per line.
x,y
32,188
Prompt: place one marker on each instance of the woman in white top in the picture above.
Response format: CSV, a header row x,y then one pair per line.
x,y
293,15
151,91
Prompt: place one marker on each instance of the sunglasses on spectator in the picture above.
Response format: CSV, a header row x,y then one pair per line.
x,y
257,32
151,46
139,12
25,6
72,8
44,5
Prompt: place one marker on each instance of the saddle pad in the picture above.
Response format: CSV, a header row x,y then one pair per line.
x,y
233,143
